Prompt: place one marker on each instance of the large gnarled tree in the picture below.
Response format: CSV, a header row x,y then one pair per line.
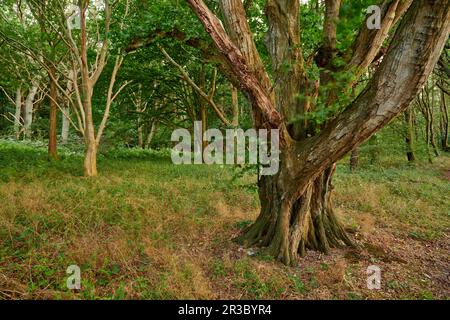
x,y
296,210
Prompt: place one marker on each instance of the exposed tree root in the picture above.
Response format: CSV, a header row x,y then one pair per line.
x,y
286,229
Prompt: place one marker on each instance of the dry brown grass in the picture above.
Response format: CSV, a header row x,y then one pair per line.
x,y
152,231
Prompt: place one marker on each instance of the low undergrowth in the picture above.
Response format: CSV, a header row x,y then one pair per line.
x,y
147,229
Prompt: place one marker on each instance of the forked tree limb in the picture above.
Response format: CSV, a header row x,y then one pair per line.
x,y
413,53
368,43
238,65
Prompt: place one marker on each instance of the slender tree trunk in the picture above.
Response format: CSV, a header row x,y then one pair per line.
x,y
203,111
65,126
427,134
90,160
151,134
52,134
424,104
354,159
409,136
431,113
140,126
140,136
444,123
204,119
28,118
18,112
235,106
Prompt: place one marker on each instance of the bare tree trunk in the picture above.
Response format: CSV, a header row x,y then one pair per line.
x,y
65,127
140,136
203,112
90,159
431,113
235,106
18,112
409,136
52,135
426,108
28,118
354,159
204,119
444,123
151,134
427,133
140,126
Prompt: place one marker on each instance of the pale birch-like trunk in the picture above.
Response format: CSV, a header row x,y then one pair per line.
x,y
151,134
90,160
29,103
140,125
18,112
65,127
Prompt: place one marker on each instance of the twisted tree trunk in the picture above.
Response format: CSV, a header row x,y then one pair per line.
x,y
296,208
288,226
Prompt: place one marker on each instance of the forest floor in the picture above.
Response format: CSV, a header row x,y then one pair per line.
x,y
146,229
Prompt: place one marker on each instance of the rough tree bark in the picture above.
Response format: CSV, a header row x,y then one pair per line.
x,y
296,209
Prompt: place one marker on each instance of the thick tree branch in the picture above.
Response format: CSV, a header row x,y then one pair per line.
x,y
238,65
413,53
369,42
328,50
283,43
